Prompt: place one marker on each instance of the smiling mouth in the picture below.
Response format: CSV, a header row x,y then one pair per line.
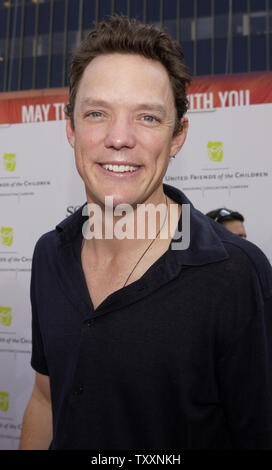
x,y
120,168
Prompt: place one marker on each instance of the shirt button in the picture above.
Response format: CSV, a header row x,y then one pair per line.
x,y
79,390
90,323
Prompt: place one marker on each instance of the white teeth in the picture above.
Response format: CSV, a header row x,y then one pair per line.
x,y
120,168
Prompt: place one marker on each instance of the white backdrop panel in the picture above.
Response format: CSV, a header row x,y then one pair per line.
x,y
242,180
44,188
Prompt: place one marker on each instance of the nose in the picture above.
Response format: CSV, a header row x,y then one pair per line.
x,y
120,134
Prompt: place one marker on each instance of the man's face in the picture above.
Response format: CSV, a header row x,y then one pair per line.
x,y
123,134
237,227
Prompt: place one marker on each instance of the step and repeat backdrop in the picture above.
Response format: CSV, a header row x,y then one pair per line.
x,y
225,162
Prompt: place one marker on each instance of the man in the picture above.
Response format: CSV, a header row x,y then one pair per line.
x,y
137,345
232,220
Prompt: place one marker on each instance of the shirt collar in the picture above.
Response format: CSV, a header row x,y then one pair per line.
x,y
205,244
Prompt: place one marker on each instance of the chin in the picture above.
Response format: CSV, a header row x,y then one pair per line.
x,y
121,199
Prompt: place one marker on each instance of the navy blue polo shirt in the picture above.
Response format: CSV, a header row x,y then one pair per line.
x,y
179,359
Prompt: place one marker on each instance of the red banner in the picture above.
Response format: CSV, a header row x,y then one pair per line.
x,y
205,93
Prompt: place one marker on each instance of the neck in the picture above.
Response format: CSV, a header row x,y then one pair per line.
x,y
131,231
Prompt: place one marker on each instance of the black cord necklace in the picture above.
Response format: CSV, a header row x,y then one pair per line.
x,y
150,244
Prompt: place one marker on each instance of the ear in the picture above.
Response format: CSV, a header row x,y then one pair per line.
x,y
70,132
179,139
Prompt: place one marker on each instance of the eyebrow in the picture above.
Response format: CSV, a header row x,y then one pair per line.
x,y
92,102
152,107
148,106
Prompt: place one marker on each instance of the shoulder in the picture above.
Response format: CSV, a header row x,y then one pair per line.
x,y
245,258
49,243
223,254
241,288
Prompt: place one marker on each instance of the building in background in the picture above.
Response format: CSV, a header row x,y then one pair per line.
x,y
37,37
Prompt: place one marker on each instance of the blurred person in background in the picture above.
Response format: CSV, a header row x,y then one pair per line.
x,y
232,220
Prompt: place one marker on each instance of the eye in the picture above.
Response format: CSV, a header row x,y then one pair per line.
x,y
149,118
94,114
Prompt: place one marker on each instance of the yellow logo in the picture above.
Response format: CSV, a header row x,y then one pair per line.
x,y
215,151
5,316
4,401
9,161
6,236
